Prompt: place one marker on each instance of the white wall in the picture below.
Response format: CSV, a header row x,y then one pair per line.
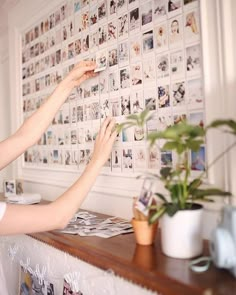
x,y
5,123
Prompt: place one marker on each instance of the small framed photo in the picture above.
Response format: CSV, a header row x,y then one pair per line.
x,y
9,186
19,186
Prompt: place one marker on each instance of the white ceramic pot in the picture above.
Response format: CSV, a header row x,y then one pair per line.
x,y
181,234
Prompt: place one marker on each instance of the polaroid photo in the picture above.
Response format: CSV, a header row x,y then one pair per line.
x,y
123,26
73,136
165,120
127,135
175,32
137,104
103,83
179,117
149,71
139,133
135,47
197,118
104,108
45,157
101,60
140,159
80,135
134,20
57,17
93,41
87,89
102,10
193,60
161,37
64,53
66,113
113,56
116,160
78,46
68,158
95,110
198,160
127,159
71,50
80,113
124,78
162,66
74,158
150,100
95,87
121,6
112,8
178,94
177,64
174,7
195,93
136,74
19,186
64,33
77,23
146,14
84,20
145,198
84,3
9,185
67,136
93,17
73,114
190,4
67,289
112,31
115,107
60,137
102,35
159,10
88,133
87,111
166,159
123,53
147,41
114,81
85,43
191,26
29,284
151,124
163,93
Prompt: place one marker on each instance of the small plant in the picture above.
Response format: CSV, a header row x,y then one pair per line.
x,y
181,138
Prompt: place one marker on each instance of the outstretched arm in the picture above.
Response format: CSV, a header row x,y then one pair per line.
x,y
36,218
32,129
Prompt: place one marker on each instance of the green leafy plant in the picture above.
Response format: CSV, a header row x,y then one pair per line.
x,y
182,138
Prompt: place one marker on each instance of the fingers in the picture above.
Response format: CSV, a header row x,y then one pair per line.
x,y
110,128
105,125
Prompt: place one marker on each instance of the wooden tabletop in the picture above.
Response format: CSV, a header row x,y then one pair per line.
x,y
143,265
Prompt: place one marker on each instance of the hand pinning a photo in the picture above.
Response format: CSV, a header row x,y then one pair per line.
x,y
101,61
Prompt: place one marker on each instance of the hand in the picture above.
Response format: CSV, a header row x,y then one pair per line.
x,y
104,142
81,72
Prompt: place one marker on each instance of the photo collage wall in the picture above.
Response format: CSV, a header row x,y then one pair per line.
x,y
148,54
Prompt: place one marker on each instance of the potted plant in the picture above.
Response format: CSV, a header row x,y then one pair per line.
x,y
179,210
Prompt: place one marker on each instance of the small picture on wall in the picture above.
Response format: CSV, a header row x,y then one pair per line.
x,y
9,187
19,186
67,289
101,60
30,284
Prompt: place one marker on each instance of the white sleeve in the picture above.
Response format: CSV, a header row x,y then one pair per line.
x,y
2,209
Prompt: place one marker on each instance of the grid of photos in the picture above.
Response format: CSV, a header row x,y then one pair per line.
x,y
148,54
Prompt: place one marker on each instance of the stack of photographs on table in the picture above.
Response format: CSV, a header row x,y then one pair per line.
x,y
86,224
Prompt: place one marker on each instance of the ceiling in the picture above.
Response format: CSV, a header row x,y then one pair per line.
x,y
5,6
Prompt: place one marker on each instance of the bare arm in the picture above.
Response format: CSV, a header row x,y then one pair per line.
x,y
37,218
32,129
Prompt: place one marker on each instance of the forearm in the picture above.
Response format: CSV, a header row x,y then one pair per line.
x,y
37,123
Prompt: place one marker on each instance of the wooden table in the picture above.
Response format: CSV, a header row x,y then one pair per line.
x,y
143,265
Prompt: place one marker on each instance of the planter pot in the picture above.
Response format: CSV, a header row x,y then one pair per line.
x,y
144,233
181,234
